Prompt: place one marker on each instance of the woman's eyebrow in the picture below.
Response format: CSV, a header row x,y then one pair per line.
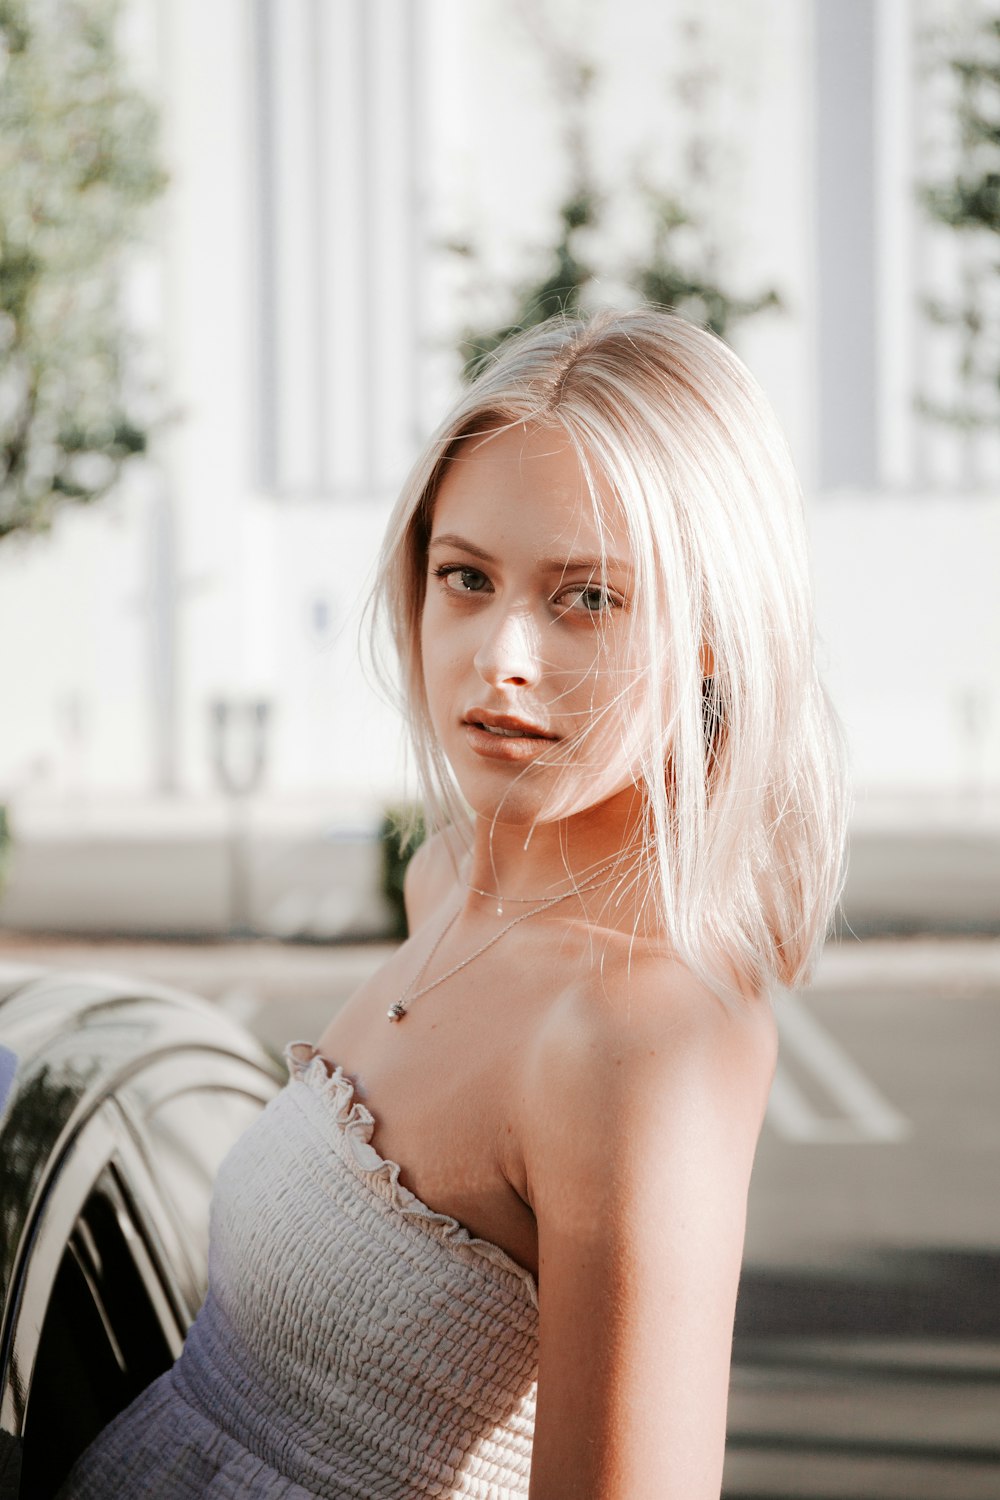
x,y
545,565
452,539
586,564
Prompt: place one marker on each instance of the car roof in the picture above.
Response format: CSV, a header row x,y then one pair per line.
x,y
70,1041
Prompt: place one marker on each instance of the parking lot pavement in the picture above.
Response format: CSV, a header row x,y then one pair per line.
x,y
867,1353
867,1356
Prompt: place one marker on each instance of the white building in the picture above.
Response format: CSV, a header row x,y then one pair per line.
x,y
321,153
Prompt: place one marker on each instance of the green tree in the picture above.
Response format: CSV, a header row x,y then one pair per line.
x,y
77,164
678,266
561,288
970,204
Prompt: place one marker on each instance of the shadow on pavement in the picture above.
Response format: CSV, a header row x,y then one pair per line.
x,y
878,1379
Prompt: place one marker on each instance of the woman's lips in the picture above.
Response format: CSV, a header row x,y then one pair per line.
x,y
500,737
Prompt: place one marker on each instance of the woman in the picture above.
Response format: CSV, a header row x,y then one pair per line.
x,y
487,1242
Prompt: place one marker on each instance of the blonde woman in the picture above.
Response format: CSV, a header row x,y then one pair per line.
x,y
487,1241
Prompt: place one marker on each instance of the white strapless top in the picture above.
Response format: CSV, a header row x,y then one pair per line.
x,y
354,1343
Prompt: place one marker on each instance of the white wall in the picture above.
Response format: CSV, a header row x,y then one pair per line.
x,y
906,590
267,590
74,706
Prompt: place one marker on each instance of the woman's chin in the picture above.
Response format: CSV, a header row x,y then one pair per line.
x,y
517,811
525,807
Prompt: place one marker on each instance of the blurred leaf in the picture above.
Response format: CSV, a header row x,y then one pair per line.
x,y
969,204
675,269
402,832
558,292
78,165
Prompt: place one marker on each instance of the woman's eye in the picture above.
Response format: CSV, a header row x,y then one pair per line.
x,y
463,580
587,598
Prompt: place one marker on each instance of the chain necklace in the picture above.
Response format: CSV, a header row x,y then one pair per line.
x,y
412,992
499,898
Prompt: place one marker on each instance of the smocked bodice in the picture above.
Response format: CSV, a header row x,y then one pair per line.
x,y
354,1343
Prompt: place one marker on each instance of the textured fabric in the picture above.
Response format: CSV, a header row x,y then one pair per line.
x,y
354,1344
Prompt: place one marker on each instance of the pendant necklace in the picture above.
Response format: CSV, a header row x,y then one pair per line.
x,y
413,992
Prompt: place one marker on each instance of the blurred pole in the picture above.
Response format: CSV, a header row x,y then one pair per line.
x,y
161,62
843,67
974,706
163,637
239,759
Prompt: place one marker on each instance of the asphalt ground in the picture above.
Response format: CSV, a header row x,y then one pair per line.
x,y
867,1353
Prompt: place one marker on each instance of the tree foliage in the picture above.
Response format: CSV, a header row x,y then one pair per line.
x,y
77,164
970,204
677,266
668,277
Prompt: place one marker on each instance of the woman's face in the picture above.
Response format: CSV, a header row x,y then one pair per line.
x,y
530,666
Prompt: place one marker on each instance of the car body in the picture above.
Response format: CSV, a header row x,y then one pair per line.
x,y
118,1101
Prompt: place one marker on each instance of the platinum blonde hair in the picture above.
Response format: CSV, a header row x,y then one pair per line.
x,y
745,794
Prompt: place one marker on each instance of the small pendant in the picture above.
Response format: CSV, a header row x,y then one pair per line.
x,y
499,908
396,1012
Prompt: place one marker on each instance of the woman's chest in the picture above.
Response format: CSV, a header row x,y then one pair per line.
x,y
444,1088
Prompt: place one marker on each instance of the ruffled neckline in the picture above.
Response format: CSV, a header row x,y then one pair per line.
x,y
356,1126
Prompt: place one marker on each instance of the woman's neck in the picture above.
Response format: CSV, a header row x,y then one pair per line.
x,y
515,862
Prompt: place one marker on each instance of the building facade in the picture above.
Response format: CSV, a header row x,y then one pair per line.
x,y
304,299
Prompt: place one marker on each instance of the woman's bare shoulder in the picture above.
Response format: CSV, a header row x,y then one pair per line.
x,y
637,1029
644,1101
431,875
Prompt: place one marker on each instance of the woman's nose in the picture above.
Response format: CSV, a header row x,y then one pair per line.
x,y
509,653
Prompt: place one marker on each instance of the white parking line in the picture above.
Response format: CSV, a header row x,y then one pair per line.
x,y
861,1114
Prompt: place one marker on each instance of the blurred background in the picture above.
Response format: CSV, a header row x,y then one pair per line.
x,y
248,251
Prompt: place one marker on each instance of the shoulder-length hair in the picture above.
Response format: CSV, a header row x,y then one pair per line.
x,y
745,797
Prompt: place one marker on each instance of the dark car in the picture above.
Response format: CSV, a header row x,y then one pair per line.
x,y
117,1103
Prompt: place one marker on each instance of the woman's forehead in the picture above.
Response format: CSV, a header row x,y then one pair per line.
x,y
530,479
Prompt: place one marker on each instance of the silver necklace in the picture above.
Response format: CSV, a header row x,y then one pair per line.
x,y
397,1011
500,898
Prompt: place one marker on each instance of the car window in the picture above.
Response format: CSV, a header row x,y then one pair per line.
x,y
102,1340
187,1135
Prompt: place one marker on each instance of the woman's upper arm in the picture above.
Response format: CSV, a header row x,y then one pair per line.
x,y
638,1175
